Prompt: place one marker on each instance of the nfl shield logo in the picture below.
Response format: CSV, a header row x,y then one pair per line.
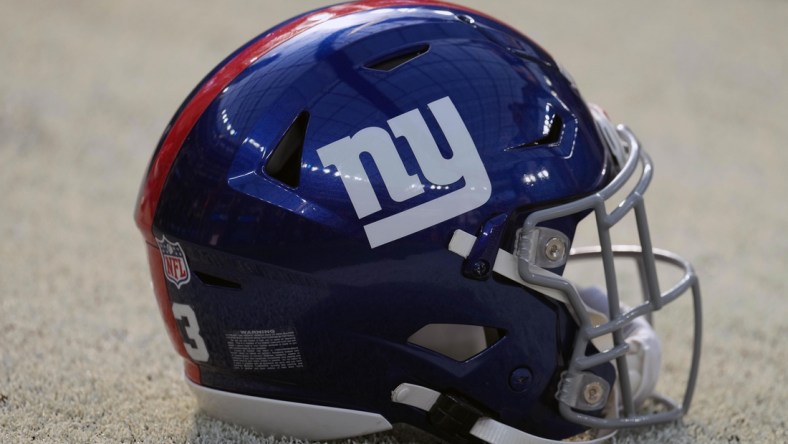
x,y
174,261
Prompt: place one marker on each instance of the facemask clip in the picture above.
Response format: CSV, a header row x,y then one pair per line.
x,y
543,247
584,391
481,259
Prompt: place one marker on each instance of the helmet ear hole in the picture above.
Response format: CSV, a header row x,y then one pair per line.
x,y
456,341
284,164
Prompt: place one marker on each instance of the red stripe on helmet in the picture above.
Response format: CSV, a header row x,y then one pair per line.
x,y
165,305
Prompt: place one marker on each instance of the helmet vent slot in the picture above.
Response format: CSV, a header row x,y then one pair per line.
x,y
393,61
554,130
284,164
215,281
456,341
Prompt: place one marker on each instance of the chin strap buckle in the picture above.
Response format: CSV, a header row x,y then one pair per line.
x,y
468,423
456,416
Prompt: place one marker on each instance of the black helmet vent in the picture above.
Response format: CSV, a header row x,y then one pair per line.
x,y
393,61
284,164
552,137
216,281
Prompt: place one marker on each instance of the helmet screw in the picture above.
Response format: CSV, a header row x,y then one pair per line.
x,y
555,249
520,379
466,18
480,268
592,393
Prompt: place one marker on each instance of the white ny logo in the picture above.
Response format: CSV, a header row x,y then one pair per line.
x,y
464,163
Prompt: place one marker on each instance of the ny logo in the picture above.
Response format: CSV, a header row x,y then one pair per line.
x,y
464,164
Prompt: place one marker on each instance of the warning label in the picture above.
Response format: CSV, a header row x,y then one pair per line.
x,y
264,350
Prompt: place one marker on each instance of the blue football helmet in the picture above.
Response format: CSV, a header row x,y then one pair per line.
x,y
363,217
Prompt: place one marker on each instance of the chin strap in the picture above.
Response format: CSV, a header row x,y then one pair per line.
x,y
463,418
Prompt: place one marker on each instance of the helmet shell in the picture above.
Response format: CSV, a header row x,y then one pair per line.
x,y
293,254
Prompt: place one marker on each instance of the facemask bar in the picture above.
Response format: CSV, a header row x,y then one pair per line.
x,y
577,381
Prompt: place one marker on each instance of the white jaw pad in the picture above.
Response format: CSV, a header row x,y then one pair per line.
x,y
271,416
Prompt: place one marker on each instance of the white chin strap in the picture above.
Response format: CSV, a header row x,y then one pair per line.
x,y
643,359
486,429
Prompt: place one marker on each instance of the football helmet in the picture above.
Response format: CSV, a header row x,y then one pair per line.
x,y
364,215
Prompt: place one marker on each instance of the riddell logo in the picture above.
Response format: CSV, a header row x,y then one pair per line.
x,y
463,165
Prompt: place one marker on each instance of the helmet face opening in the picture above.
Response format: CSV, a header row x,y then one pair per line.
x,y
363,217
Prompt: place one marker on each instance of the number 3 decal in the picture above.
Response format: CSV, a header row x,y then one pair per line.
x,y
193,342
